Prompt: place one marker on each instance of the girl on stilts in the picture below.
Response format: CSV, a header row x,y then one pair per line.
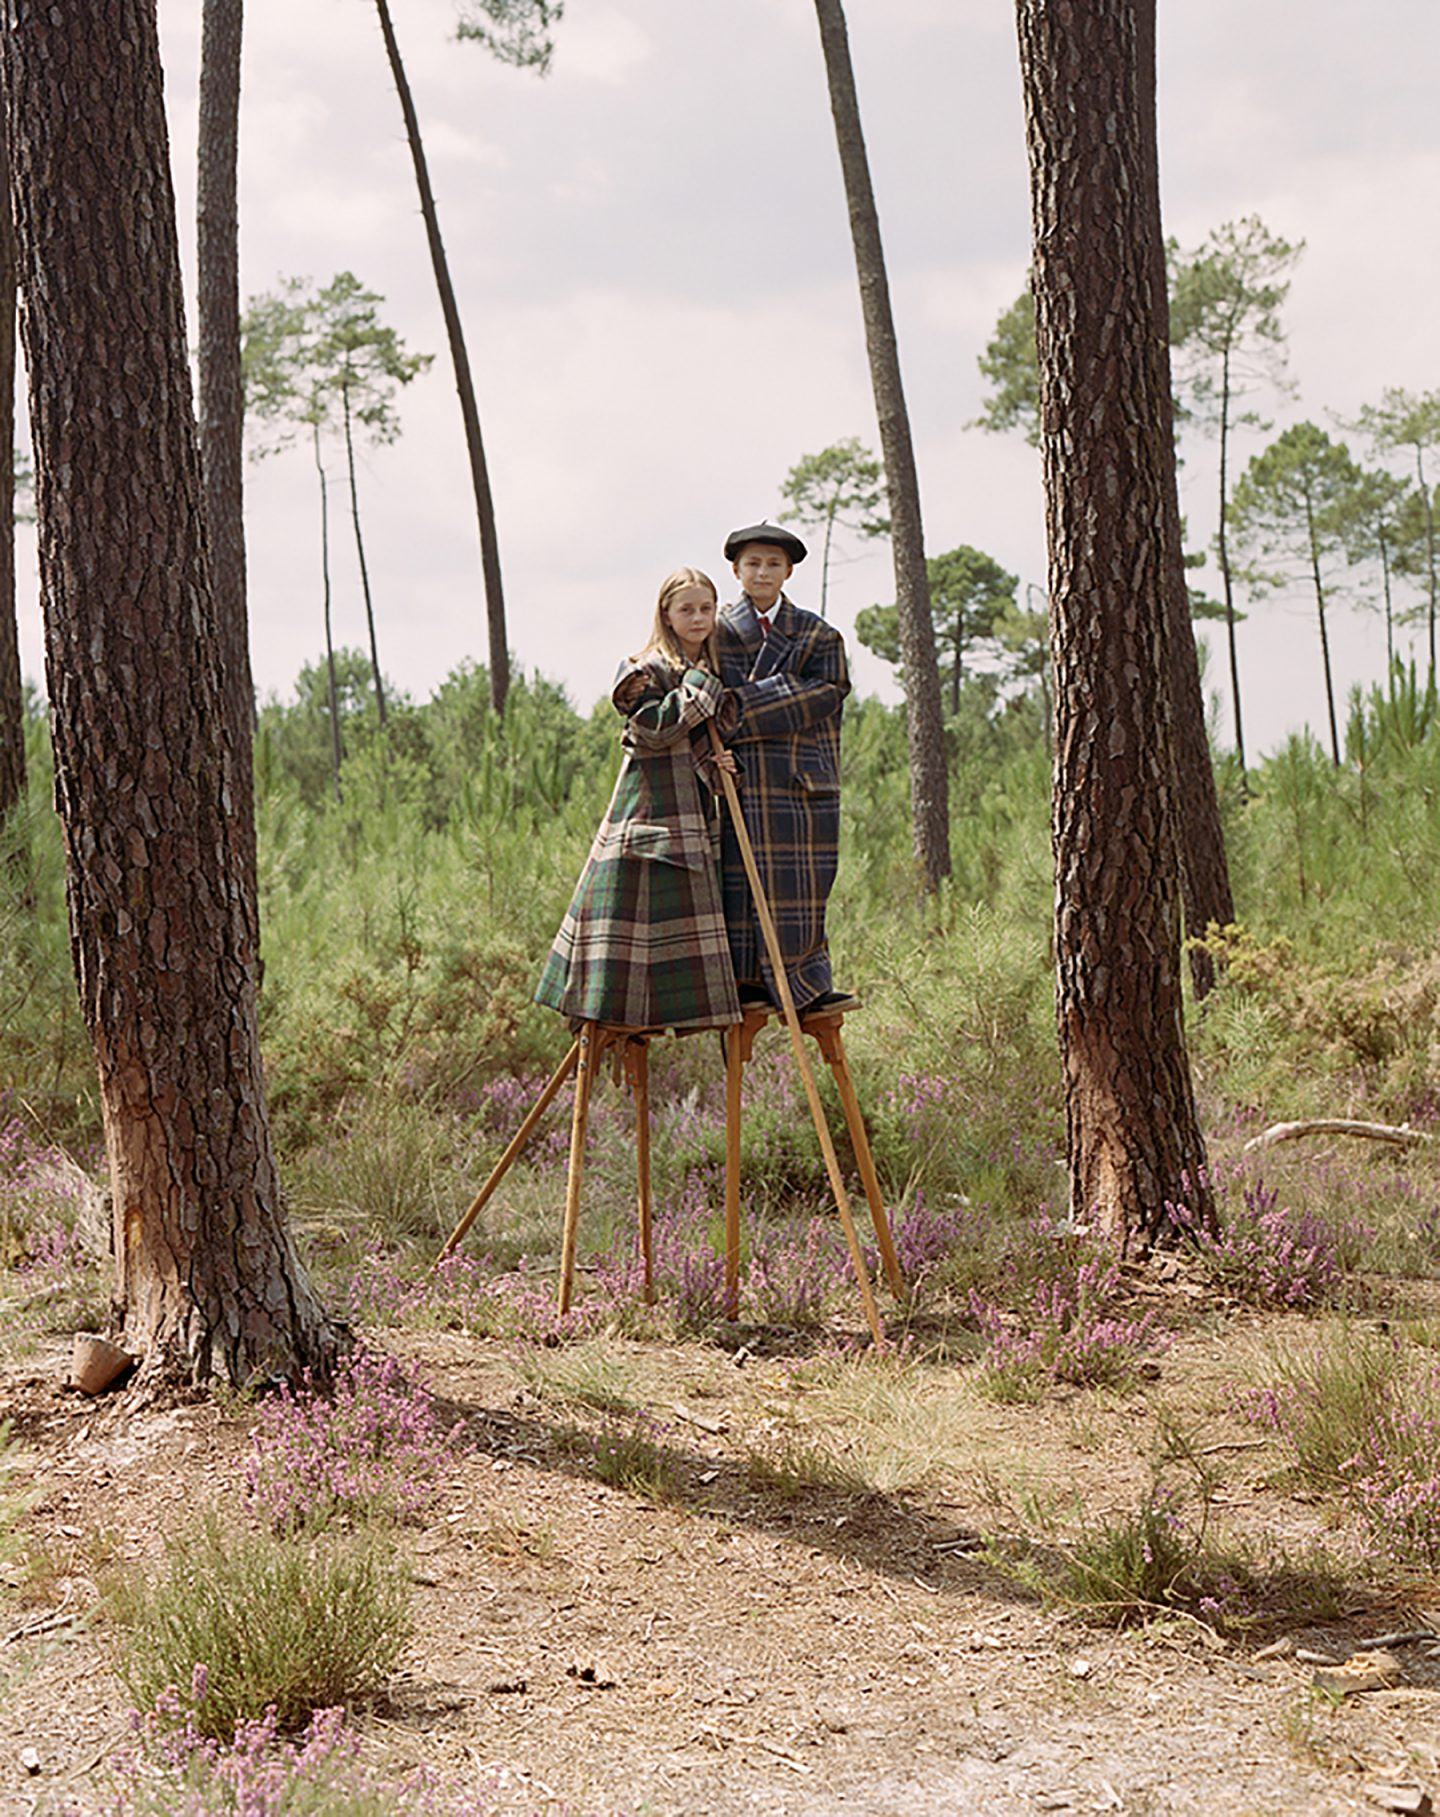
x,y
643,943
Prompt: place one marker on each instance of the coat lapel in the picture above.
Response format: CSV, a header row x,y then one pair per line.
x,y
745,625
774,649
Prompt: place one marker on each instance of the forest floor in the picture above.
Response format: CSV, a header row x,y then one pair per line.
x,y
713,1637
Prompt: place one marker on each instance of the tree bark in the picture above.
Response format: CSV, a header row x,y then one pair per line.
x,y
1205,890
12,697
464,383
222,393
1133,1136
163,938
929,779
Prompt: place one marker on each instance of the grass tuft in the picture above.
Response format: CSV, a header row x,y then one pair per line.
x,y
588,1374
627,1457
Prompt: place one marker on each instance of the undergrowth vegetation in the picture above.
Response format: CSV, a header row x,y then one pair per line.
x,y
405,922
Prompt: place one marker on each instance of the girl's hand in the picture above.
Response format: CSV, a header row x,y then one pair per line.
x,y
726,761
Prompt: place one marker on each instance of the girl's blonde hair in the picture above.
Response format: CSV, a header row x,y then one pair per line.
x,y
663,643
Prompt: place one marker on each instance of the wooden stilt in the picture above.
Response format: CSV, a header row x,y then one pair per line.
x,y
734,1078
512,1153
591,1045
637,1054
632,1060
826,1031
797,1048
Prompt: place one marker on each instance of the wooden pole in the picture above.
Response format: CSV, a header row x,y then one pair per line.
x,y
797,1046
638,1054
734,1077
512,1153
833,1048
591,1045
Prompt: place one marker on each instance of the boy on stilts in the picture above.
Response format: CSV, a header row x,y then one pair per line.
x,y
785,668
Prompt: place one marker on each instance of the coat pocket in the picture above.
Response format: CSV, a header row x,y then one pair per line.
x,y
816,782
689,848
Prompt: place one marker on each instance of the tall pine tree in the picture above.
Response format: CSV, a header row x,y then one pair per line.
x,y
1132,1132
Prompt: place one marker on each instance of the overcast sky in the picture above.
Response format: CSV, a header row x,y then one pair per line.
x,y
653,263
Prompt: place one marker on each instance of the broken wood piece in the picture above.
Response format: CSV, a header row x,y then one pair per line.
x,y
1367,1672
96,1363
1409,1800
1278,1649
1400,1134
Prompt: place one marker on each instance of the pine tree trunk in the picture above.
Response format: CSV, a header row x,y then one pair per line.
x,y
1329,677
1222,551
12,697
163,937
1133,1137
1384,543
222,393
1432,568
360,552
929,781
1204,868
1319,586
464,383
337,748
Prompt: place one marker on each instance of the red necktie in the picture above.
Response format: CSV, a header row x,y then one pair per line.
x,y
764,624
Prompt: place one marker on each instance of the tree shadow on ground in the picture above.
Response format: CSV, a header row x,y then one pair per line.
x,y
881,1532
899,1538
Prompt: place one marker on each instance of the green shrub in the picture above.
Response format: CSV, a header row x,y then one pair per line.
x,y
1358,1416
387,1170
1323,1399
300,1624
1163,1559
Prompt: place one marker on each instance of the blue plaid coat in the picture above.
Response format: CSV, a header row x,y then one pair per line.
x,y
643,942
790,687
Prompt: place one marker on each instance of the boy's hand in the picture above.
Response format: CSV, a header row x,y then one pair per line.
x,y
726,761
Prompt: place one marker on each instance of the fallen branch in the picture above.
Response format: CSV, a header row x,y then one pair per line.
x,y
44,1624
713,1427
1400,1134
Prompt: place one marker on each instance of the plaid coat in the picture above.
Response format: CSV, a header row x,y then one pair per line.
x,y
643,942
791,687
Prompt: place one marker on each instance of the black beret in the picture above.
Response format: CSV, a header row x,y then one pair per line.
x,y
764,533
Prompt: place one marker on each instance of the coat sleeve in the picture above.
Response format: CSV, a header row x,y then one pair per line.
x,y
664,719
792,699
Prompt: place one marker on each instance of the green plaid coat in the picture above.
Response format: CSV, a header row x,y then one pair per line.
x,y
790,687
643,942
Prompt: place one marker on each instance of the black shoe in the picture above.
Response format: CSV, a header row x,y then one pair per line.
x,y
754,993
830,1003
